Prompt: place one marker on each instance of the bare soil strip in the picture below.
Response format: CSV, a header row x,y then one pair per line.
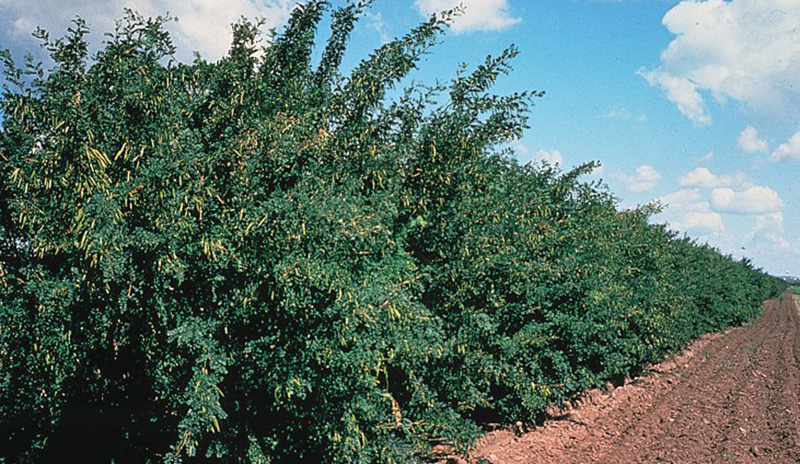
x,y
729,398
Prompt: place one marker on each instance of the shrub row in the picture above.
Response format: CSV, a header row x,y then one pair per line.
x,y
261,260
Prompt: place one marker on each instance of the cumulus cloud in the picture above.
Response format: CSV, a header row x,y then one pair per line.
x,y
550,156
788,151
686,210
479,15
769,222
203,25
645,178
598,171
780,242
701,208
681,91
750,142
376,22
700,221
758,199
623,114
682,200
703,177
745,50
769,230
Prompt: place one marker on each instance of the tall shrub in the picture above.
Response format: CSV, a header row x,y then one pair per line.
x,y
262,260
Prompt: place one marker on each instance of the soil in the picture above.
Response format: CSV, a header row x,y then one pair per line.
x,y
732,397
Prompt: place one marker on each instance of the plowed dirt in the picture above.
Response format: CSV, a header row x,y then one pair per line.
x,y
729,398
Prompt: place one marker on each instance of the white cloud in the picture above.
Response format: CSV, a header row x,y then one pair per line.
x,y
768,231
550,156
203,25
696,221
708,157
750,142
745,50
598,171
681,91
790,150
645,178
772,222
754,200
682,200
698,210
376,22
479,15
703,177
618,113
687,211
623,114
780,242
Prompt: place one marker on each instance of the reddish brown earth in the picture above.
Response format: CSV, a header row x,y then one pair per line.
x,y
729,398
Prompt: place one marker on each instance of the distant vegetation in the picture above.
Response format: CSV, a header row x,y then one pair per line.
x,y
261,260
792,280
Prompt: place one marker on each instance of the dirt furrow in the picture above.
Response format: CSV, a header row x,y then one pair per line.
x,y
749,437
697,411
732,397
786,403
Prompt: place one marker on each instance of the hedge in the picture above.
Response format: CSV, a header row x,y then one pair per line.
x,y
261,259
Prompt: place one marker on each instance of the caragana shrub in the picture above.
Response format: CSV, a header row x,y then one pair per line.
x,y
263,260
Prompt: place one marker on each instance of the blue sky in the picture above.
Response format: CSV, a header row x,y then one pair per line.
x,y
692,103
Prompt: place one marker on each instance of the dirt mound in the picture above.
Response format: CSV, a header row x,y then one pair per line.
x,y
731,397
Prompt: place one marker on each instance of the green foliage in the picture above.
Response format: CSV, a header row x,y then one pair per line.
x,y
261,260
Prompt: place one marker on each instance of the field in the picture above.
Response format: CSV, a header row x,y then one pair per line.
x,y
730,397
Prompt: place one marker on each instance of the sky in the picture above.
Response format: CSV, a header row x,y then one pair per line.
x,y
694,104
